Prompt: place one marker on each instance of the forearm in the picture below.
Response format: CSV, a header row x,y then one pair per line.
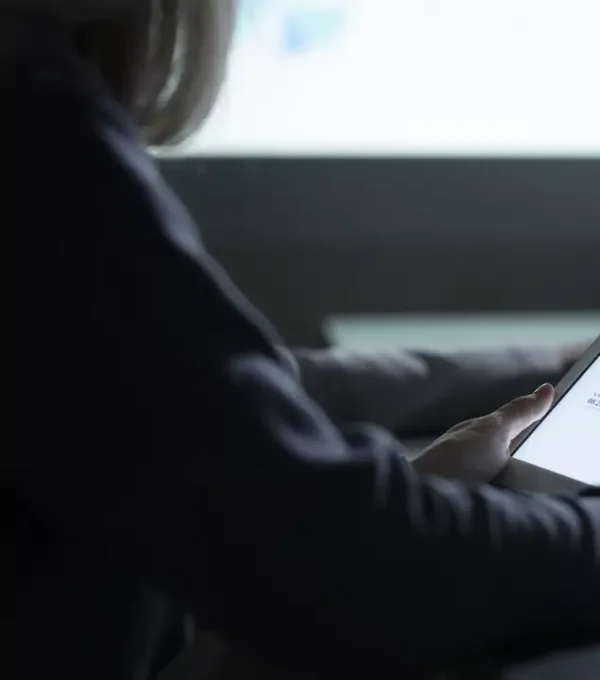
x,y
419,393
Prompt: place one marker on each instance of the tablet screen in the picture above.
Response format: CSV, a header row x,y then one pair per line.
x,y
567,441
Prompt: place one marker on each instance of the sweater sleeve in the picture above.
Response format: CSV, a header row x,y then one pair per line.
x,y
418,393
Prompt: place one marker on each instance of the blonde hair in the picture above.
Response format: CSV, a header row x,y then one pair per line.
x,y
165,62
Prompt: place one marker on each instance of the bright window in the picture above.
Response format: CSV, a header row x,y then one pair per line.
x,y
406,77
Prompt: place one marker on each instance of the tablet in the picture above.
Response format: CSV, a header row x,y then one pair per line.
x,y
561,453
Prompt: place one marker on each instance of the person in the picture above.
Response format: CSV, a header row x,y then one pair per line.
x,y
169,457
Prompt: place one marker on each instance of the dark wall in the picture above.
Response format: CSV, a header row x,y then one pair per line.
x,y
305,238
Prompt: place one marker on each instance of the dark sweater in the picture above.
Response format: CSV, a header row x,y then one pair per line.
x,y
168,457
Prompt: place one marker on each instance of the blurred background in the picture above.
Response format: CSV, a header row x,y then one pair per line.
x,y
417,173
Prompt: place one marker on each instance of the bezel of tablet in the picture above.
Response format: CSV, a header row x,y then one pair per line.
x,y
519,474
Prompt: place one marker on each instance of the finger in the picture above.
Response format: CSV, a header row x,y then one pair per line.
x,y
524,412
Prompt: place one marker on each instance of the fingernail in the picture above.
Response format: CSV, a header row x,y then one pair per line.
x,y
541,388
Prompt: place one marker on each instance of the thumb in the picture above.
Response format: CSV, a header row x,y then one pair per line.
x,y
522,413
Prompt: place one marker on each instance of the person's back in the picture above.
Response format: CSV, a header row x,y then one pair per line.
x,y
168,458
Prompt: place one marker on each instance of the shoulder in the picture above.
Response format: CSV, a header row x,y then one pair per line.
x,y
25,34
56,103
72,11
69,134
39,57
83,179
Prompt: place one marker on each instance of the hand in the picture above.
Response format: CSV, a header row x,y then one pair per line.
x,y
476,451
572,353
